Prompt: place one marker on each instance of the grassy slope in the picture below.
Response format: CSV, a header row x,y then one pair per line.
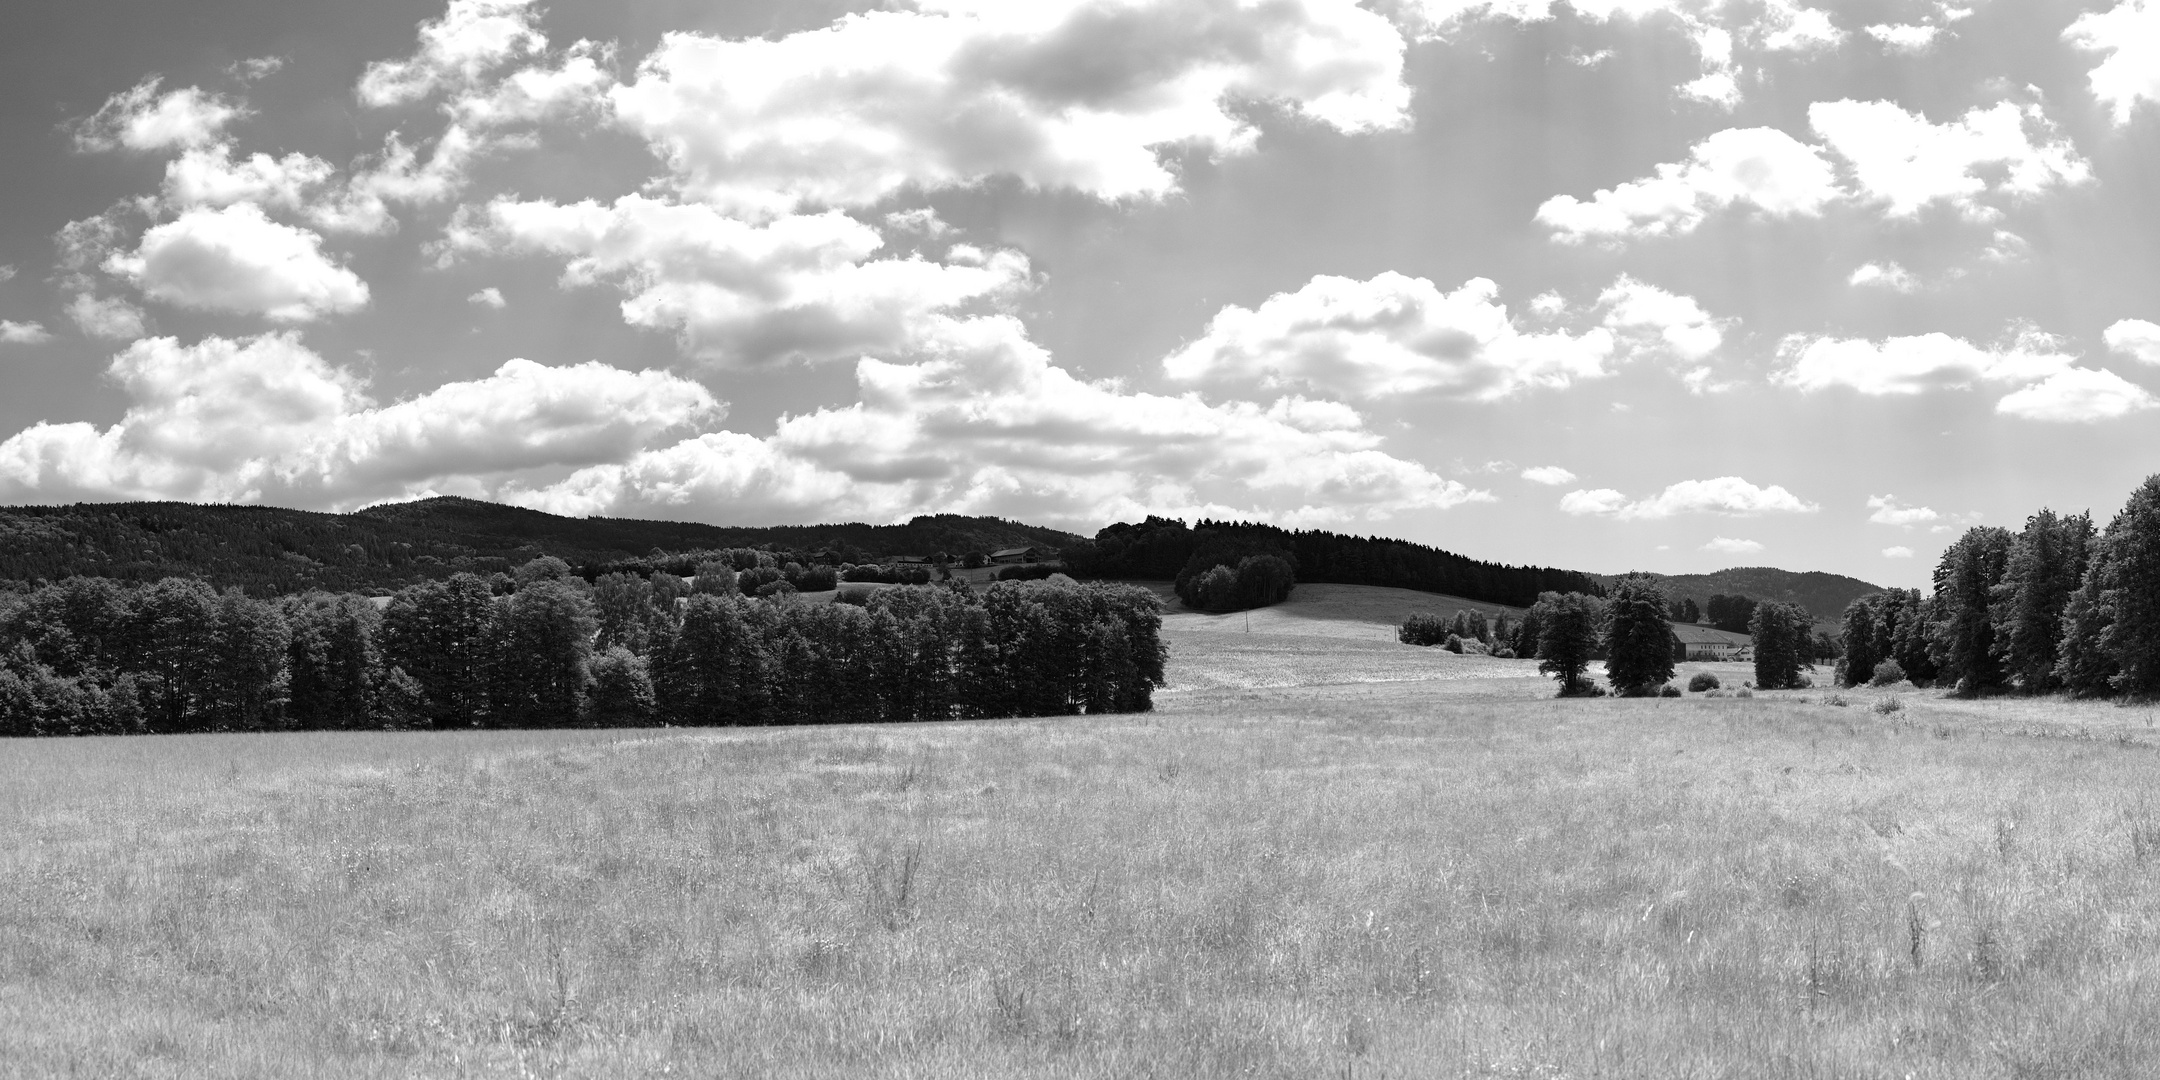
x,y
1385,879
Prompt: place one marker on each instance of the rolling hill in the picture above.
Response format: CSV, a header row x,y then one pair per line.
x,y
1823,595
268,549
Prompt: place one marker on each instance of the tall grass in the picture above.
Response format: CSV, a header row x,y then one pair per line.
x,y
1362,882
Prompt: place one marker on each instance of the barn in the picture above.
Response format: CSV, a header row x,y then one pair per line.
x,y
1705,643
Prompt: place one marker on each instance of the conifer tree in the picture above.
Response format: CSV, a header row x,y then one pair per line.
x,y
1780,631
2083,664
1963,637
2045,565
2131,592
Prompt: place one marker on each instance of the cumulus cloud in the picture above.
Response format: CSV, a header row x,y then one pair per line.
x,y
142,119
1898,552
2135,338
2129,36
1887,275
237,260
23,333
1912,365
210,176
1656,319
265,417
471,40
1888,511
2077,395
1904,37
1060,94
1551,475
110,318
736,293
490,297
1904,162
1726,545
1728,495
983,422
1763,168
1386,336
1789,27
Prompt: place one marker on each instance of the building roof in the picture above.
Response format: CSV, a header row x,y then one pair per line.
x,y
1012,551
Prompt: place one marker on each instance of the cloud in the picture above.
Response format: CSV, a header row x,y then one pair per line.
x,y
1898,552
1889,276
1726,545
209,176
1759,167
1059,94
1912,365
1888,511
141,119
490,297
7,273
237,260
983,422
2077,395
255,68
16,333
1552,475
110,318
1386,336
2135,338
1729,495
267,418
471,40
2129,35
1904,37
1658,319
1788,27
1904,162
740,294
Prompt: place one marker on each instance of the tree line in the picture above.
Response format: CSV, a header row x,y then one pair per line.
x,y
1164,548
2056,606
545,648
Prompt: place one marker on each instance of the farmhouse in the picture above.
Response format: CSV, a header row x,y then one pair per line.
x,y
1017,555
1704,643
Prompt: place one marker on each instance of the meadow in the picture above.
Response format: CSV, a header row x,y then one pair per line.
x,y
1322,856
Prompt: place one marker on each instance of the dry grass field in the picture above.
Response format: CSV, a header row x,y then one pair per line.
x,y
1426,867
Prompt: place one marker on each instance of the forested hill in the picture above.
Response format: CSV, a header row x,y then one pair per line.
x,y
1160,548
1823,595
272,550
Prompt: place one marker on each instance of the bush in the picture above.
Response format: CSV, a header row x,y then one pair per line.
x,y
1423,628
1744,692
1453,644
1582,686
1031,572
776,587
1887,673
1889,705
1702,681
1669,690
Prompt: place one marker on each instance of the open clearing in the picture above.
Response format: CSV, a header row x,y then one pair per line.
x,y
1426,867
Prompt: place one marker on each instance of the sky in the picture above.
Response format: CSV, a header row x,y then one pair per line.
x,y
1665,285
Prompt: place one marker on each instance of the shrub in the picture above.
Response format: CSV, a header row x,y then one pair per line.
x,y
1453,644
1744,692
1887,673
1423,628
1889,705
1669,690
776,587
1031,572
1582,686
1701,681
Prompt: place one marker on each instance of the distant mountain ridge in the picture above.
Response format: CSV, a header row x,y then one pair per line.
x,y
267,549
1824,595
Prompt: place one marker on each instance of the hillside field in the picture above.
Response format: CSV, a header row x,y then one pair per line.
x,y
1322,856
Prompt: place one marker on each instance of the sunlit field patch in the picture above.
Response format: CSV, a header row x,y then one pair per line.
x,y
1408,877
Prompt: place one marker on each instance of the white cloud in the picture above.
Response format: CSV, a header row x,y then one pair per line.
x,y
1898,552
209,176
20,333
1904,162
2135,338
1729,495
1904,37
743,294
1759,167
7,273
1658,319
110,318
1551,475
2078,395
265,417
985,423
1058,93
238,260
1911,365
255,67
2129,33
1788,27
471,40
1726,545
1888,275
1888,511
141,119
490,297
1385,336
